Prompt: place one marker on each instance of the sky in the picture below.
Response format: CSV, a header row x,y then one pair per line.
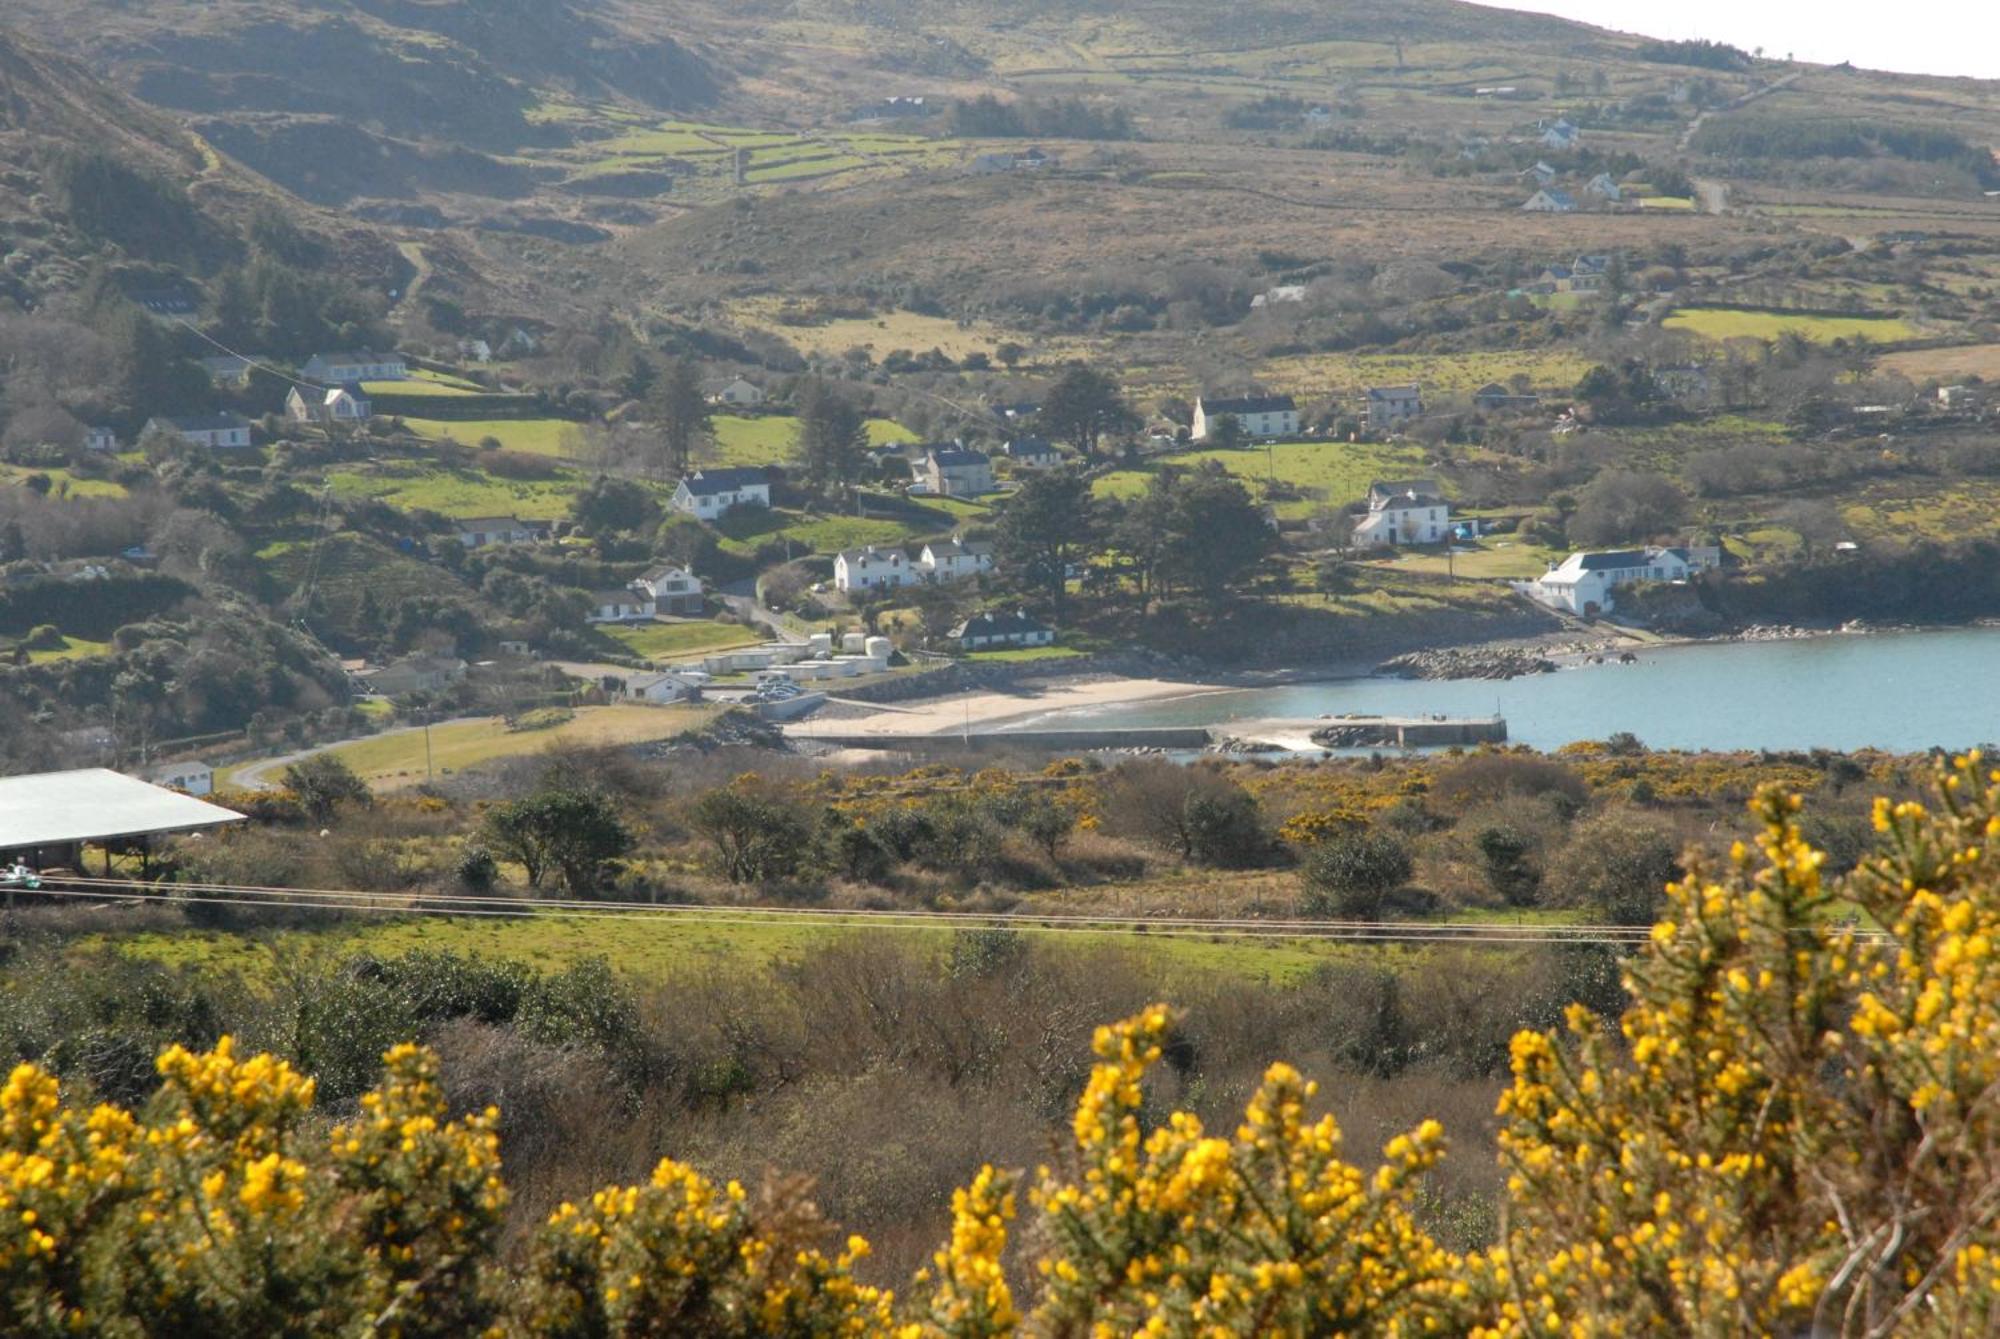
x,y
1955,37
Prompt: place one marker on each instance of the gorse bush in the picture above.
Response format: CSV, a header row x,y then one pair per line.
x,y
1794,1130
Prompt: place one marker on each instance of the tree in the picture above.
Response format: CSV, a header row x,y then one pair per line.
x,y
1621,505
1352,874
758,834
680,413
1226,433
1196,530
566,830
1084,407
1196,813
1509,871
608,506
832,437
1010,354
1616,865
1050,522
323,783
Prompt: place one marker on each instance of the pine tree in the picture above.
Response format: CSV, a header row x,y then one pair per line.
x,y
831,437
679,413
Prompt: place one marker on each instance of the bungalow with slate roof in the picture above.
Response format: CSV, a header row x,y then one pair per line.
x,y
986,631
619,606
1032,453
1584,582
660,689
954,560
414,674
346,403
228,369
957,471
217,432
674,590
707,494
1260,416
1542,173
1408,511
97,437
476,532
1548,200
740,392
872,568
1605,188
1561,135
356,365
1383,407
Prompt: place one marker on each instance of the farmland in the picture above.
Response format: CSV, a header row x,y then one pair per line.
x,y
1318,374
772,438
535,436
397,758
1723,323
1320,474
669,641
456,491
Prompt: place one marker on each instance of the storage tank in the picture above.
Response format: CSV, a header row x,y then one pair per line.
x,y
820,643
876,648
852,642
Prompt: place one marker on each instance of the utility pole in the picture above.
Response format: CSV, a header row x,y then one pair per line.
x,y
427,746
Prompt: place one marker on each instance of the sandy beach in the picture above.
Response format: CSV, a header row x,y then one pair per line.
x,y
984,708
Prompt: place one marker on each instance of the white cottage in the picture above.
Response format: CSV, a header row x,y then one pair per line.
x,y
1260,416
707,494
1404,512
872,568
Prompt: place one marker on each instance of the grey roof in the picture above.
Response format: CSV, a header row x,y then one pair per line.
x,y
953,547
1393,392
953,456
1030,446
1248,404
489,522
625,596
998,625
357,356
206,422
705,482
96,804
1613,558
1421,489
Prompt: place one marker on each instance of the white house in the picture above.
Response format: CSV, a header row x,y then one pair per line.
x,y
1548,200
952,560
619,606
355,365
1383,407
1586,274
1271,297
1561,135
214,431
478,350
957,471
476,532
707,494
660,688
872,568
227,369
196,778
741,392
1542,173
1605,188
1260,416
674,590
1583,584
100,438
1404,512
1005,629
346,403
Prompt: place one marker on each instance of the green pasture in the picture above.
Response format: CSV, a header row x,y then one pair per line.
x,y
669,641
1324,473
457,492
62,482
1721,323
536,436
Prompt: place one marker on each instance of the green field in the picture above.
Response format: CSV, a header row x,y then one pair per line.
x,y
1490,560
73,648
1720,323
648,947
1021,653
1348,373
535,436
398,759
1665,202
421,386
771,439
668,641
1326,473
62,483
458,492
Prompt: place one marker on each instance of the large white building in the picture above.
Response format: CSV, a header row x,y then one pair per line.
x,y
872,568
707,494
1260,416
952,560
1584,582
1404,512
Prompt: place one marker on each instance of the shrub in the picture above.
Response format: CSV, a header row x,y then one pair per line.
x,y
1617,866
1352,875
1195,812
323,783
758,832
1509,872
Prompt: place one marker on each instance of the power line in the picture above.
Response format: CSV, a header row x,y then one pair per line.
x,y
248,361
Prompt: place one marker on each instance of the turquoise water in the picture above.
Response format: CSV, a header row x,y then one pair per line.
x,y
1899,691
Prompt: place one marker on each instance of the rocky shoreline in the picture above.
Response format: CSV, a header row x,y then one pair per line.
x,y
1484,662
